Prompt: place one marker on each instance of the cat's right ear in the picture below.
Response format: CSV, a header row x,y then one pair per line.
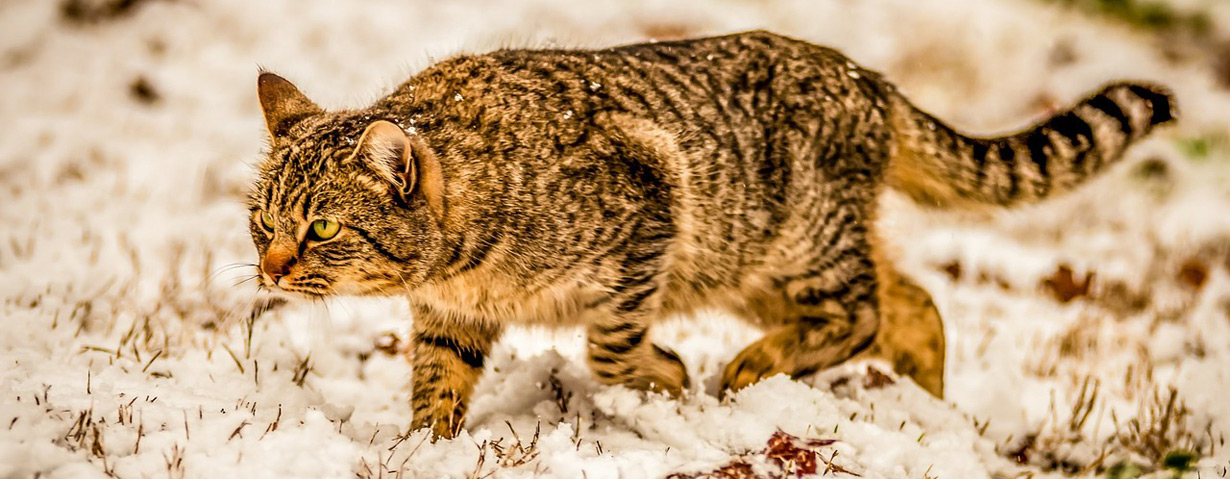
x,y
284,105
405,162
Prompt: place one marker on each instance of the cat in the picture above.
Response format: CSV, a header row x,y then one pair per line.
x,y
611,188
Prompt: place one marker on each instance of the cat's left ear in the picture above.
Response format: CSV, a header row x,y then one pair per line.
x,y
405,162
284,105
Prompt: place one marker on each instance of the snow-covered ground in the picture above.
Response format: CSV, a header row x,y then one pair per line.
x,y
129,348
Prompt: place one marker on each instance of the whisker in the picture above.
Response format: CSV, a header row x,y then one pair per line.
x,y
404,285
245,280
226,268
228,316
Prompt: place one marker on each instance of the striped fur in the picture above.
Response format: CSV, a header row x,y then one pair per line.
x,y
940,167
613,188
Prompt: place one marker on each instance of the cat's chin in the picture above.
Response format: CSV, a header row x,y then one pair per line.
x,y
276,292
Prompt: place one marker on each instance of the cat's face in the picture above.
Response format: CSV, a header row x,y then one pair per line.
x,y
342,204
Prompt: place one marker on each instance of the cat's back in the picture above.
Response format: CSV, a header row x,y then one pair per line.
x,y
678,81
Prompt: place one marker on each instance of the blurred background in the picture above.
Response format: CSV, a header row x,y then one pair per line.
x,y
1087,335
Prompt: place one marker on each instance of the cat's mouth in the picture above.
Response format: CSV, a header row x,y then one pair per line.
x,y
312,288
313,292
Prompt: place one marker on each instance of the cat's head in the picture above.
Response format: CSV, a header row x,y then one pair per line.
x,y
345,202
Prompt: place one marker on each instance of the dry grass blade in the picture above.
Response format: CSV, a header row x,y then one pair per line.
x,y
1160,428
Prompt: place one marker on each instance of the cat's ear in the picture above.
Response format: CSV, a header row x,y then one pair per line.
x,y
405,162
283,104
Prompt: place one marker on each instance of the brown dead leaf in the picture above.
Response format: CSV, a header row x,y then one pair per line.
x,y
1064,286
876,379
792,458
389,343
1193,274
953,268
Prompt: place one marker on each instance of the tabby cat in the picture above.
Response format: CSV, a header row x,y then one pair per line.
x,y
612,188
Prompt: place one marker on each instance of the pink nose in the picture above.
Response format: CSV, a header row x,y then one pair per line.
x,y
277,263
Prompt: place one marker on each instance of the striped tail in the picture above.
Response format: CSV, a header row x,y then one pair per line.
x,y
935,165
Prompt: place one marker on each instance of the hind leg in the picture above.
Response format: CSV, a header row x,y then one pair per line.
x,y
911,335
814,321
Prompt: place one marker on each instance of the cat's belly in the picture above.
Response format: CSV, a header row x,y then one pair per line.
x,y
563,303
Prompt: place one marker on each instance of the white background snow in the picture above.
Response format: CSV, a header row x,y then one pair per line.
x,y
127,350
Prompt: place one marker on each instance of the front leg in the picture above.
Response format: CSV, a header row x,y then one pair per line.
x,y
619,350
619,353
447,355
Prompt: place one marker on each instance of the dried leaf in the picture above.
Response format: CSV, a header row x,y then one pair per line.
x,y
876,379
953,268
792,458
1064,285
389,343
1193,273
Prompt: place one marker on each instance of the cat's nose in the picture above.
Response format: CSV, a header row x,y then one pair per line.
x,y
277,263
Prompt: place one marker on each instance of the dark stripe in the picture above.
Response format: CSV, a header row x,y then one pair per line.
x,y
1079,135
477,254
455,255
634,301
1108,107
1073,128
665,103
377,246
307,205
804,372
627,345
980,162
731,138
1037,142
1007,156
636,74
472,357
618,328
666,353
605,375
335,252
615,374
597,302
602,359
629,88
1159,102
864,344
809,297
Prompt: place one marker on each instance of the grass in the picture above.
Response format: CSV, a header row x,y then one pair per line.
x,y
1146,14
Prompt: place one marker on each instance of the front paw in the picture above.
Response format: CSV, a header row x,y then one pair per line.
x,y
443,415
750,366
669,375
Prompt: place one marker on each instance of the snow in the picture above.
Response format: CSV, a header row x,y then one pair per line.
x,y
129,349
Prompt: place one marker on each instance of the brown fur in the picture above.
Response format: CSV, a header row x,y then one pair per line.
x,y
612,188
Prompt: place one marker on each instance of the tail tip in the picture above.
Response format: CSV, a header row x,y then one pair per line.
x,y
1158,98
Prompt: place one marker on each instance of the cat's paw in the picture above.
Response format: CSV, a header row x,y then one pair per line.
x,y
659,370
753,364
444,416
669,374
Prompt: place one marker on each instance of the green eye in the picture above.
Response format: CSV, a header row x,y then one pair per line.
x,y
267,220
323,230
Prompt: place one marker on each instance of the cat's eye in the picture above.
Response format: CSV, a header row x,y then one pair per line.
x,y
323,230
267,221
